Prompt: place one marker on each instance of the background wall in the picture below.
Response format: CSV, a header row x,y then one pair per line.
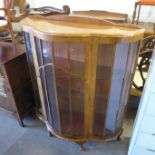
x,y
124,6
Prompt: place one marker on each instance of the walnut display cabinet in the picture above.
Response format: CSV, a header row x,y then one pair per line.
x,y
84,69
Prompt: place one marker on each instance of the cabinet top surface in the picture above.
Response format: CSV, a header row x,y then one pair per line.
x,y
112,16
8,53
75,26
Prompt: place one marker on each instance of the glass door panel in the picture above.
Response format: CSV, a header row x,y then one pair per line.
x,y
105,61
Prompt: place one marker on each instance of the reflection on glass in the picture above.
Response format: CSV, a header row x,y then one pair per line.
x,y
105,60
117,83
32,70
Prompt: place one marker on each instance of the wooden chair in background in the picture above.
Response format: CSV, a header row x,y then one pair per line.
x,y
138,5
150,27
5,19
147,48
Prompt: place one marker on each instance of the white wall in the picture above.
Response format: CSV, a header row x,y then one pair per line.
x,y
124,6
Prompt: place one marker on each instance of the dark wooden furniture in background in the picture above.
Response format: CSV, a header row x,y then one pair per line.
x,y
84,69
104,15
16,97
145,58
147,48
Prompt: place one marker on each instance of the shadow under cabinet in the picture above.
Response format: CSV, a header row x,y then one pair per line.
x,y
15,85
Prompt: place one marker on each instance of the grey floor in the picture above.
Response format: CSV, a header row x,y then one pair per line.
x,y
34,140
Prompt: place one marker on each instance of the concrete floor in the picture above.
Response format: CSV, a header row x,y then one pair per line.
x,y
34,140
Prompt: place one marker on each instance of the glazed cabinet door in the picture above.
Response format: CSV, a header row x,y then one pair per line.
x,y
62,72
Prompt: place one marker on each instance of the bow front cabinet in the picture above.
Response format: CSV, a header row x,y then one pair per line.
x,y
83,70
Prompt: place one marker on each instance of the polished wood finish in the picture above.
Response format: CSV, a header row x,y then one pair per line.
x,y
80,27
16,98
84,68
104,15
21,4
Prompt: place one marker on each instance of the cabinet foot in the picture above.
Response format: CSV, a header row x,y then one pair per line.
x,y
119,138
21,123
82,147
50,134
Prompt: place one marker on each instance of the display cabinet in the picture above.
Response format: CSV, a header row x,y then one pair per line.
x,y
84,69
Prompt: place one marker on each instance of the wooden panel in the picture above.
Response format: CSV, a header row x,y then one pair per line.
x,y
69,26
21,4
21,88
16,97
104,15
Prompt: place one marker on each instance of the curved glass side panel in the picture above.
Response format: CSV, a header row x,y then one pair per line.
x,y
132,57
121,57
32,70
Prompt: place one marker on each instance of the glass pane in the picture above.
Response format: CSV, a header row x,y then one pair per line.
x,y
32,70
48,83
47,52
51,91
39,51
70,88
61,54
48,110
63,90
77,106
62,84
116,87
101,100
29,53
105,60
77,58
133,53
